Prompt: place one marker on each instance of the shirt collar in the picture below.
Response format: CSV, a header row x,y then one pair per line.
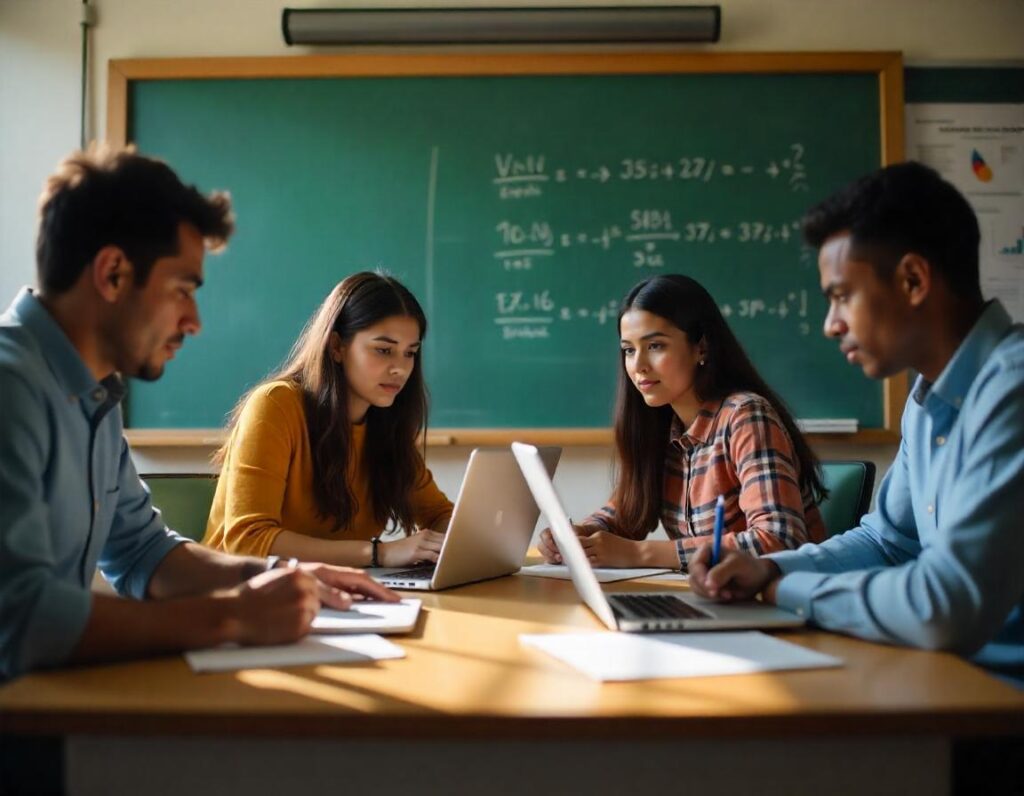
x,y
956,378
63,358
700,430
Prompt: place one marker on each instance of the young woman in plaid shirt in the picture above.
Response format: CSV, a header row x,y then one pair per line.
x,y
693,421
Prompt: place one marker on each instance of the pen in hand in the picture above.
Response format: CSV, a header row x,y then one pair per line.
x,y
716,545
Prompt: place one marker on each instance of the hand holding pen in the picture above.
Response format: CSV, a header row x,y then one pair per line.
x,y
716,548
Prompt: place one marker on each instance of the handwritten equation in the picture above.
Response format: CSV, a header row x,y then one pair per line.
x,y
531,233
524,314
528,176
520,246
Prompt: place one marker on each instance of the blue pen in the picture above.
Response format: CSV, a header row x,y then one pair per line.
x,y
716,547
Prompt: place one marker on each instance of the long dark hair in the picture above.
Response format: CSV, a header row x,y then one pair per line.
x,y
641,431
391,463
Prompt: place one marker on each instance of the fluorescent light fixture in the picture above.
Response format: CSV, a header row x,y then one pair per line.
x,y
501,25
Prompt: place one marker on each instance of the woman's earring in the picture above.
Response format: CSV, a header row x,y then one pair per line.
x,y
702,363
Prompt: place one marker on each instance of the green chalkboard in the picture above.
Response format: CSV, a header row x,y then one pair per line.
x,y
519,209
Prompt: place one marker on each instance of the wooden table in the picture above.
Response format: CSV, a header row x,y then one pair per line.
x,y
470,709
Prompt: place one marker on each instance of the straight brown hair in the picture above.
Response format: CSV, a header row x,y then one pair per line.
x,y
391,461
642,432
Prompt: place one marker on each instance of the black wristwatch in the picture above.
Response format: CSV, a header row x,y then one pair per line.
x,y
374,560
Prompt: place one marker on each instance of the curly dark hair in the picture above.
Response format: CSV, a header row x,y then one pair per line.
x,y
107,196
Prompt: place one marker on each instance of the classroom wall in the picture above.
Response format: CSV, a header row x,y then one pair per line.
x,y
39,111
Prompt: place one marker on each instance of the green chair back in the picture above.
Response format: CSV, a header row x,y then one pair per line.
x,y
850,484
184,501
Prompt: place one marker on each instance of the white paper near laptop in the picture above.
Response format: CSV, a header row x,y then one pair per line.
x,y
311,649
626,656
604,574
369,617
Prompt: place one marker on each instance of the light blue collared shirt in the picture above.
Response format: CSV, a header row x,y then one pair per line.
x,y
70,498
939,564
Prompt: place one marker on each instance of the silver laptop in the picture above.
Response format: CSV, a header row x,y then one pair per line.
x,y
491,527
637,611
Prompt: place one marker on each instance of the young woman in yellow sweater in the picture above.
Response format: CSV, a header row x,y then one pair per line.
x,y
322,455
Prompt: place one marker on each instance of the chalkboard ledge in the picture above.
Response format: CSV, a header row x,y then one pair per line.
x,y
471,437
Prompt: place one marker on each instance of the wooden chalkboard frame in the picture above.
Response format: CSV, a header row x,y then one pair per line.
x,y
887,66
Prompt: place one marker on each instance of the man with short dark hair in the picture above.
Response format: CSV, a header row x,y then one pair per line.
x,y
939,564
119,258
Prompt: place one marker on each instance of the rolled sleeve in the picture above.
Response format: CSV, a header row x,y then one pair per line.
x,y
606,519
139,539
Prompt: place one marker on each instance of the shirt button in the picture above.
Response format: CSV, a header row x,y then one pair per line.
x,y
940,440
799,611
95,505
97,395
931,509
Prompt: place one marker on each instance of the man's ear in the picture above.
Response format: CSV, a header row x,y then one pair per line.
x,y
111,273
913,278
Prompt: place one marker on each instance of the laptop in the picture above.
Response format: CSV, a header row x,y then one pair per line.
x,y
369,617
490,529
637,612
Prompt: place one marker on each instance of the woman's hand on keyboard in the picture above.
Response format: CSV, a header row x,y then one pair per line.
x,y
424,545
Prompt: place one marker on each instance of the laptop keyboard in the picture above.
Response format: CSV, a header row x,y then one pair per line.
x,y
421,572
654,606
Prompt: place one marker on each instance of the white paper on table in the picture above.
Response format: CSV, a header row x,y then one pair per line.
x,y
369,617
312,649
628,656
604,574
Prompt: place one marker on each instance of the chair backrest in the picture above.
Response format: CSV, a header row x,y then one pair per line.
x,y
184,500
850,484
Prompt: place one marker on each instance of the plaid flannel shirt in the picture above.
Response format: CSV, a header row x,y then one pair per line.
x,y
738,448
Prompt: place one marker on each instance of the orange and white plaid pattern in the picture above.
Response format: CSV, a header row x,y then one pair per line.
x,y
740,449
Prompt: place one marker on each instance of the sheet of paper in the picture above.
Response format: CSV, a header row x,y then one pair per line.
x,y
604,574
312,649
369,617
629,656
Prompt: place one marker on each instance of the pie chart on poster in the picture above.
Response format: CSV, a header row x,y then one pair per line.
x,y
980,167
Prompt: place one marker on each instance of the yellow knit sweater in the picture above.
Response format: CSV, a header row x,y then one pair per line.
x,y
266,482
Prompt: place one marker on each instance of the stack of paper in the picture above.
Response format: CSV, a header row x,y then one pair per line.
x,y
625,656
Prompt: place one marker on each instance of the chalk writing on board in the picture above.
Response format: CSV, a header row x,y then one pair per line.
x,y
529,315
646,237
523,245
524,176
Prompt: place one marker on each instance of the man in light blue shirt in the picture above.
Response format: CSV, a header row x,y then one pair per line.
x,y
939,564
119,259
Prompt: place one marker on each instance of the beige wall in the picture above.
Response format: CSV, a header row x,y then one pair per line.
x,y
39,76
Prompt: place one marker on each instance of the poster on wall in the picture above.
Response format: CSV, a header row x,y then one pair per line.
x,y
980,149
